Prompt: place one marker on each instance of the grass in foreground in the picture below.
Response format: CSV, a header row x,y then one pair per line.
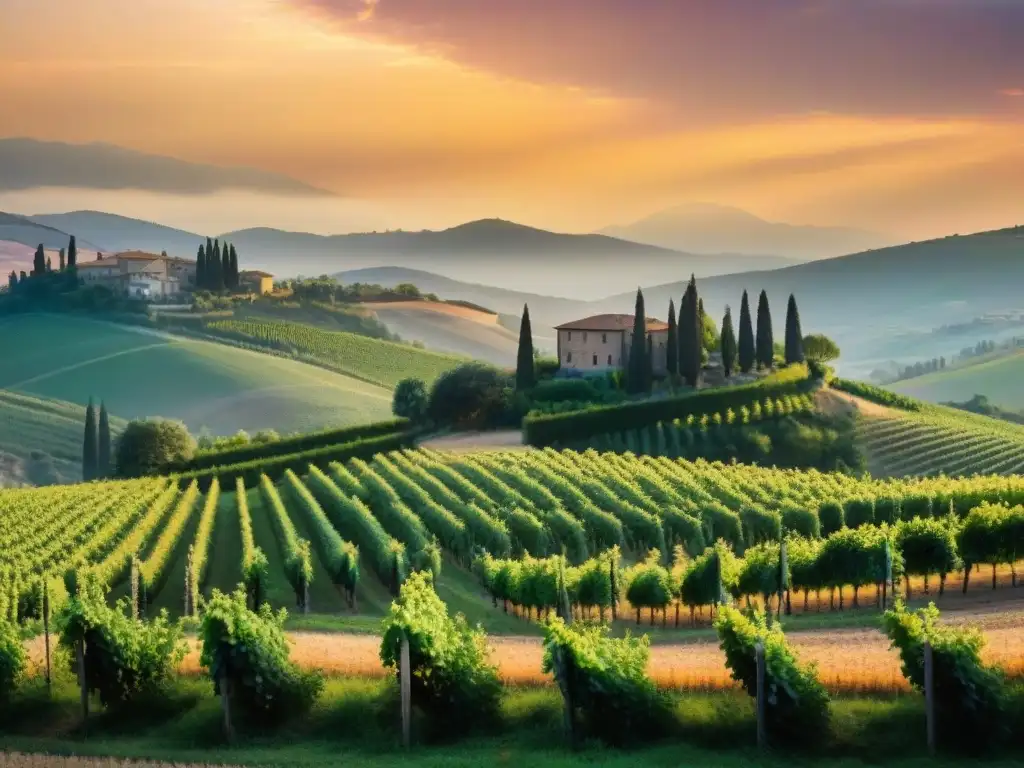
x,y
357,721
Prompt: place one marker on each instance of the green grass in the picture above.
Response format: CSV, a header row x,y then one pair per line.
x,y
224,563
373,360
207,385
999,379
356,722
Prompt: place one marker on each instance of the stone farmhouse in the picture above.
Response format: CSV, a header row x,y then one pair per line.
x,y
140,274
601,343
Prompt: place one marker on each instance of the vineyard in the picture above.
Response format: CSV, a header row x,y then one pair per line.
x,y
936,440
639,534
373,360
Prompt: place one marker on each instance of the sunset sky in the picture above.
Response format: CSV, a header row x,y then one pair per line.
x,y
903,116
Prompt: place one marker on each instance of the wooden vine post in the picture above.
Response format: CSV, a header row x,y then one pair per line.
x,y
188,583
929,695
405,680
783,576
46,634
135,586
762,731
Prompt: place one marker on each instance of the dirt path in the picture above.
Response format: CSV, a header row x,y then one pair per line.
x,y
469,442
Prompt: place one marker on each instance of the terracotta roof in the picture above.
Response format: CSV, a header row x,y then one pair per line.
x,y
137,256
112,263
254,273
610,323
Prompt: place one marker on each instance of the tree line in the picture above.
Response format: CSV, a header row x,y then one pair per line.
x,y
217,267
690,336
43,265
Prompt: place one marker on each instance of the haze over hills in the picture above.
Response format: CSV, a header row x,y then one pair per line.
x,y
27,232
709,228
489,251
29,164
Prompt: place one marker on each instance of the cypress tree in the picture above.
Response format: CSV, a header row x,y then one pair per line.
x,y
234,267
72,253
39,261
650,364
201,267
62,257
794,337
49,264
692,333
103,444
637,373
672,349
765,343
225,267
90,445
728,344
683,334
216,276
525,373
745,348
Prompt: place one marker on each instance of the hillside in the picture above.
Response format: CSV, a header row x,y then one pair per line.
x,y
120,233
864,298
451,329
707,228
41,439
30,233
209,386
998,379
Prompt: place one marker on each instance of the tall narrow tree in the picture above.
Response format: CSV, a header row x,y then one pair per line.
x,y
672,350
225,266
90,445
103,444
216,277
49,264
201,267
63,259
683,334
234,267
794,336
650,362
746,348
72,253
637,373
728,344
692,336
39,261
765,339
525,372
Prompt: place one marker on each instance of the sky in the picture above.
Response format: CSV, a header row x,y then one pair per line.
x,y
899,116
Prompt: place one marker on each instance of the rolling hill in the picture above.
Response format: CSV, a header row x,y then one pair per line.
x,y
30,233
707,228
208,386
864,298
998,379
489,251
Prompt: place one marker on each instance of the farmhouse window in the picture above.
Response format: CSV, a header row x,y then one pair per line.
x,y
595,360
568,357
604,338
609,359
584,335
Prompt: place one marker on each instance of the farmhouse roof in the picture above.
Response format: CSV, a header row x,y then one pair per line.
x,y
610,323
110,263
254,273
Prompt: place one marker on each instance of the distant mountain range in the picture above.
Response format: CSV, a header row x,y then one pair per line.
x,y
28,164
25,231
489,251
707,228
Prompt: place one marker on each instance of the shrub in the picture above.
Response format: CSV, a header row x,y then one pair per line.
x,y
410,400
12,659
146,447
649,585
830,513
613,699
796,708
125,656
802,521
470,396
249,649
819,348
858,512
452,681
760,525
970,698
558,390
876,394
928,546
710,577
